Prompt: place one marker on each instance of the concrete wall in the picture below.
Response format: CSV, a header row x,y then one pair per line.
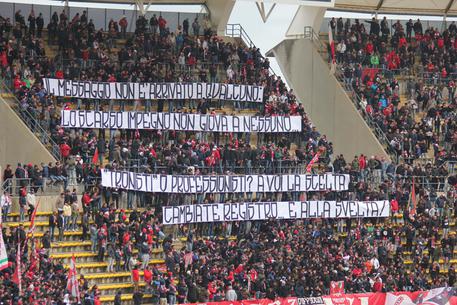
x,y
17,142
219,11
325,101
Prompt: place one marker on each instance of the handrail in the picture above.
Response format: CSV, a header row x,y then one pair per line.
x,y
33,124
237,30
379,133
310,34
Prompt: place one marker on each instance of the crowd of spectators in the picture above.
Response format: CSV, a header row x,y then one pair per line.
x,y
273,258
371,64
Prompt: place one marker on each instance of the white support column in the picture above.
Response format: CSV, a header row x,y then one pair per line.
x,y
306,16
219,11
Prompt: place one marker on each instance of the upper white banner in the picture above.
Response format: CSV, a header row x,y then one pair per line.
x,y
152,91
244,211
185,184
179,121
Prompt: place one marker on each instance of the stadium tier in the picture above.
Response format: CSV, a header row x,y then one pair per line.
x,y
161,162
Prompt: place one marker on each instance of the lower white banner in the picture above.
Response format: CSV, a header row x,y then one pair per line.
x,y
245,211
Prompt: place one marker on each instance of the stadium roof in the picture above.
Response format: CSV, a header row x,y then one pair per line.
x,y
423,7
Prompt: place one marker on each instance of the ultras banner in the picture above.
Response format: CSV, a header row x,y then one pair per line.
x,y
437,296
184,184
178,121
152,91
217,212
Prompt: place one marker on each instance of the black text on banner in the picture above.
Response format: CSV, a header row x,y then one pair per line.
x,y
178,121
152,91
184,184
249,211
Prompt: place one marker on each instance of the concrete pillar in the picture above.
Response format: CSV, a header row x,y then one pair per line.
x,y
306,16
219,11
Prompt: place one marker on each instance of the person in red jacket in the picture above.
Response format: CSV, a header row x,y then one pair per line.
x,y
147,274
135,278
65,150
377,286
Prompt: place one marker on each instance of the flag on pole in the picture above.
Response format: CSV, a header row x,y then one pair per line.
x,y
3,254
412,200
72,281
17,276
337,287
332,50
32,219
313,160
95,157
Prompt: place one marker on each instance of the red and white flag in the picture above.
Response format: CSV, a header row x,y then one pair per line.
x,y
313,160
3,254
17,276
72,281
32,219
337,287
332,50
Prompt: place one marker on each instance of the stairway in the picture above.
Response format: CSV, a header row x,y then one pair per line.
x,y
86,260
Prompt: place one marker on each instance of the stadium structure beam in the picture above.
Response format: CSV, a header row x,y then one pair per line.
x,y
379,5
448,7
261,7
306,16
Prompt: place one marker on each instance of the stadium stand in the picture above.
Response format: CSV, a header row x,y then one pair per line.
x,y
121,249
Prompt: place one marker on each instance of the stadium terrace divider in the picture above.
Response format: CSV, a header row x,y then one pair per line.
x,y
437,296
179,121
185,184
244,211
153,91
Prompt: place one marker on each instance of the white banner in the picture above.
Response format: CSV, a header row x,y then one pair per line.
x,y
184,184
244,211
152,91
179,121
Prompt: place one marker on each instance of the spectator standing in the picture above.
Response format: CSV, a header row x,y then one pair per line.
x,y
61,224
52,225
135,278
231,295
5,204
67,215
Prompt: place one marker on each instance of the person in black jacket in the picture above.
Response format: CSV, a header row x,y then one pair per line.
x,y
52,225
117,298
61,225
46,241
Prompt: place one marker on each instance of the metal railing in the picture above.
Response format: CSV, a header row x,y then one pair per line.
x,y
13,185
310,34
379,133
32,123
236,30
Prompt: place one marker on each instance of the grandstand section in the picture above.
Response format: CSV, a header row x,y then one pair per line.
x,y
156,158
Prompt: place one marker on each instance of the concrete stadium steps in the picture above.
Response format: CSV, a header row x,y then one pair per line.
x,y
111,282
96,266
89,256
126,299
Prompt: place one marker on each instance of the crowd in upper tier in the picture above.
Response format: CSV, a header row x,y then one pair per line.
x,y
273,258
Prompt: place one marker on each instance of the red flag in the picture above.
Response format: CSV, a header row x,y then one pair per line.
x,y
313,160
412,202
95,157
332,50
17,273
72,280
